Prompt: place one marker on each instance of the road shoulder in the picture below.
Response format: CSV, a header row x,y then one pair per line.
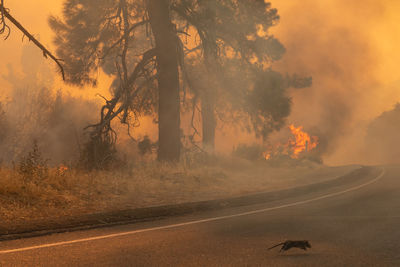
x,y
119,217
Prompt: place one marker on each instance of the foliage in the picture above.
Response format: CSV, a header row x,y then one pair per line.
x,y
32,166
98,153
226,42
104,34
145,146
229,28
252,152
268,104
229,66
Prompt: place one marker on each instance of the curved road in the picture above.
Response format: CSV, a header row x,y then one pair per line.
x,y
352,225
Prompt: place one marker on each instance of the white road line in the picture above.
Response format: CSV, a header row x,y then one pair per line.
x,y
194,222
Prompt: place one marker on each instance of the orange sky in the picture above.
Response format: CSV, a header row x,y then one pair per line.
x,y
34,15
350,47
375,23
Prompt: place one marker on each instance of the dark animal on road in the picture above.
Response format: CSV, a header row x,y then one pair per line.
x,y
288,244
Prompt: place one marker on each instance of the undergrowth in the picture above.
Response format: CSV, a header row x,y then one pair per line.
x,y
32,166
28,193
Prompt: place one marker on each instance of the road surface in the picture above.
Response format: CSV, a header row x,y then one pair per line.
x,y
354,225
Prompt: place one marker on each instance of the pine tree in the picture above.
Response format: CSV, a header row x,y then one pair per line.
x,y
151,45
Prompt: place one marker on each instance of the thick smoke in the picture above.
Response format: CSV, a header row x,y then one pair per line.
x,y
383,138
35,112
330,40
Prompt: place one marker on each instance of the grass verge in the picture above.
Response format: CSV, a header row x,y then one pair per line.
x,y
62,192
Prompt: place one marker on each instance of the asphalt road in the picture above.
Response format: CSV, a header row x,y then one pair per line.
x,y
351,225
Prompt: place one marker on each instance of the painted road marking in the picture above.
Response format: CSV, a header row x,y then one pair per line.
x,y
194,222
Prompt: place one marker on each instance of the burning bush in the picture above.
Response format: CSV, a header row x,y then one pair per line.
x,y
299,145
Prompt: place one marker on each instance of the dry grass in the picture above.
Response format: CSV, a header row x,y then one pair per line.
x,y
70,192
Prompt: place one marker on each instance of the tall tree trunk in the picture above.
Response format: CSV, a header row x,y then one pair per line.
x,y
168,80
209,95
208,99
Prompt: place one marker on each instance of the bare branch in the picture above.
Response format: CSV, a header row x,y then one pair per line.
x,y
126,41
119,41
110,106
46,52
194,49
147,56
3,26
105,99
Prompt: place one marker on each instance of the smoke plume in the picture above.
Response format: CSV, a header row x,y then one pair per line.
x,y
332,41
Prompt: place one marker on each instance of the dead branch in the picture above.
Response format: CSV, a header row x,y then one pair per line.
x,y
128,89
147,57
110,106
3,26
119,41
126,41
4,13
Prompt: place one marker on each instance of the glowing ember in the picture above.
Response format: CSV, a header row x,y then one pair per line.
x,y
62,169
267,156
302,142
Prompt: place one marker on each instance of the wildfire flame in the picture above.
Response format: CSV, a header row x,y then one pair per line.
x,y
302,142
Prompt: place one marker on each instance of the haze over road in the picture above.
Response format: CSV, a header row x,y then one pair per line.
x,y
356,228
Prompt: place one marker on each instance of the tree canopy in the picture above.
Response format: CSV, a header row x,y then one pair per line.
x,y
225,41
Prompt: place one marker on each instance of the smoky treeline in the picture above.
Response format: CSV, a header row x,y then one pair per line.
x,y
172,61
209,59
196,63
192,67
381,140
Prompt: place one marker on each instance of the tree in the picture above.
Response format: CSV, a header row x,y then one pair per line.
x,y
267,103
96,35
164,32
146,40
232,42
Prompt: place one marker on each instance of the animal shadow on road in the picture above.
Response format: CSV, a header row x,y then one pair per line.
x,y
295,255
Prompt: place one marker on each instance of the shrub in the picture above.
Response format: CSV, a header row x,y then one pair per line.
x,y
33,166
249,152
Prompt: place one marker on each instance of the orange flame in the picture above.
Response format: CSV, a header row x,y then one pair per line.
x,y
62,169
302,142
267,155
